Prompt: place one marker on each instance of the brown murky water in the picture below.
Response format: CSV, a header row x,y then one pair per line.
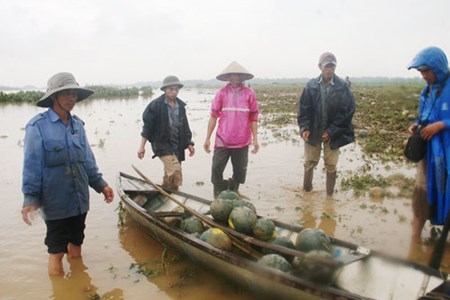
x,y
106,270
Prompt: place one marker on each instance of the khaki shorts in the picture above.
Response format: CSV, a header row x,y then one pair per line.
x,y
312,156
173,177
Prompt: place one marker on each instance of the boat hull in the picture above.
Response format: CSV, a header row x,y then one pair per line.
x,y
375,277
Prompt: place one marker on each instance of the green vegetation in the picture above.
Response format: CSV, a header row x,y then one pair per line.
x,y
104,92
146,91
386,112
362,180
120,214
110,92
161,266
21,96
278,104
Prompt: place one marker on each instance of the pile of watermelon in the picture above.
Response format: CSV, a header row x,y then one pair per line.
x,y
241,216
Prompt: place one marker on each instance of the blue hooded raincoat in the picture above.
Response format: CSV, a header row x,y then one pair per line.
x,y
435,105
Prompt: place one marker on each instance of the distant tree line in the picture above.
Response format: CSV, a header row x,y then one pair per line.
x,y
105,92
21,96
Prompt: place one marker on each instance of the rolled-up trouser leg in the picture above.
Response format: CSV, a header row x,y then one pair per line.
x,y
173,177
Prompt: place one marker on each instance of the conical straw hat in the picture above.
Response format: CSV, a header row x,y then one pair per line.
x,y
235,68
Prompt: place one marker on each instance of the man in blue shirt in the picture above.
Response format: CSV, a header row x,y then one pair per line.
x,y
58,169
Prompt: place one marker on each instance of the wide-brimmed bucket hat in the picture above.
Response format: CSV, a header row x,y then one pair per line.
x,y
59,82
234,68
171,80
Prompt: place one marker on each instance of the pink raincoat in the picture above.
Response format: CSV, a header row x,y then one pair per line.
x,y
235,108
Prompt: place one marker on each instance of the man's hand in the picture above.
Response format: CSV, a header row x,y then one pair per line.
x,y
141,152
305,135
431,130
412,128
108,193
28,213
206,146
191,150
255,147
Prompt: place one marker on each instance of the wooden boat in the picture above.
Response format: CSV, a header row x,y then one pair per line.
x,y
359,273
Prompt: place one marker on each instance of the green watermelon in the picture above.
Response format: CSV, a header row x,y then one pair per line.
x,y
192,225
312,239
310,268
239,202
217,238
275,261
221,209
242,219
264,229
228,195
283,242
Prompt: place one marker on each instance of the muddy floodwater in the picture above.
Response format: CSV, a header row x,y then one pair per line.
x,y
110,253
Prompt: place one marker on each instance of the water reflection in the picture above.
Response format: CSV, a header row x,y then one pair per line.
x,y
76,284
318,209
328,217
181,278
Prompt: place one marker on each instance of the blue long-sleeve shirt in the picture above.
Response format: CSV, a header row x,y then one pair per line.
x,y
59,166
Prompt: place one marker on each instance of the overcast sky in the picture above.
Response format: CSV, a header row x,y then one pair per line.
x,y
129,41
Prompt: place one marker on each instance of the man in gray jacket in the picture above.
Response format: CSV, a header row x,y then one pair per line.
x,y
325,119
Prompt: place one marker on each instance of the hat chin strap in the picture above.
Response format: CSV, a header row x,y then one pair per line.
x,y
66,111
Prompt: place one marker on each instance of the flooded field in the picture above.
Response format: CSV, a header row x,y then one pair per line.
x,y
113,254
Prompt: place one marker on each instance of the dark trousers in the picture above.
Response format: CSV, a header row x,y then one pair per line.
x,y
239,161
61,232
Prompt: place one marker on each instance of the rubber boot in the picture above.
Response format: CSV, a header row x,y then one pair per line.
x,y
307,180
331,182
